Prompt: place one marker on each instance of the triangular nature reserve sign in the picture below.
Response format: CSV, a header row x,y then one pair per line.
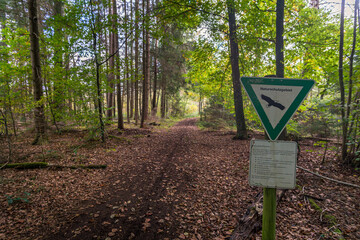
x,y
276,100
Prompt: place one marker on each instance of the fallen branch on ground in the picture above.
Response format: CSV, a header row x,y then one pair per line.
x,y
328,178
34,165
27,165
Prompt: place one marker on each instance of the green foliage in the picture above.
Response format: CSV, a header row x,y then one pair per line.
x,y
215,124
14,71
216,116
193,60
311,39
317,117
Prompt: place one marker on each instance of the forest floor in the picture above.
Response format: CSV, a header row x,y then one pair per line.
x,y
175,183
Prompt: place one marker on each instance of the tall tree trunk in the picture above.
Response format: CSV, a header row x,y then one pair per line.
x,y
143,66
279,48
59,91
7,135
136,87
145,99
341,83
98,101
132,84
111,78
127,79
350,90
241,132
154,107
40,134
163,93
117,70
147,49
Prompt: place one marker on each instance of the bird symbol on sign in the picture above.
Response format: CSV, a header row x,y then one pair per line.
x,y
272,102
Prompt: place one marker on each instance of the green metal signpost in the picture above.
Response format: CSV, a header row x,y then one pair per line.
x,y
275,101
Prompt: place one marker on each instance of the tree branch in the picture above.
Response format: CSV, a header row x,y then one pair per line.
x,y
117,50
330,179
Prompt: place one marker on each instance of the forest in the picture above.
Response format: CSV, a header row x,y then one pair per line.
x,y
126,119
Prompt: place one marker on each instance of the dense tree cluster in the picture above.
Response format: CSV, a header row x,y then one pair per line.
x,y
89,62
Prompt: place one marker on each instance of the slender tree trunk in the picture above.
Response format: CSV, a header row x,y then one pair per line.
x,y
127,79
132,84
154,107
40,134
136,87
241,132
8,107
143,66
47,94
58,101
140,99
200,107
7,134
147,66
111,78
341,83
119,97
116,62
98,101
163,94
279,48
132,87
350,90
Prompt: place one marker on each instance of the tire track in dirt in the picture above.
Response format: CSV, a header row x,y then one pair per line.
x,y
165,177
148,198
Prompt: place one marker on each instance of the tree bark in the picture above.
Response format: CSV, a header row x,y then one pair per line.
x,y
58,101
136,87
127,79
111,77
241,132
145,100
40,134
279,48
117,58
350,90
98,101
341,83
132,84
163,94
154,106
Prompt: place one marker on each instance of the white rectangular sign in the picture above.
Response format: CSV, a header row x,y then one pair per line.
x,y
273,164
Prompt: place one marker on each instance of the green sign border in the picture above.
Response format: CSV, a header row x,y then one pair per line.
x,y
274,133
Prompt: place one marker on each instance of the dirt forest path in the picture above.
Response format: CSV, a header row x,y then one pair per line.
x,y
183,183
161,184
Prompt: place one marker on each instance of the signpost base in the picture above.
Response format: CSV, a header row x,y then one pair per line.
x,y
269,214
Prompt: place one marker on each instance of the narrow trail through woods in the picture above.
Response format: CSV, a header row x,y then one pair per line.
x,y
177,183
156,195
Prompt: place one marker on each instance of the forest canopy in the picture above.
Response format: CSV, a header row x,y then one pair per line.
x,y
90,63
